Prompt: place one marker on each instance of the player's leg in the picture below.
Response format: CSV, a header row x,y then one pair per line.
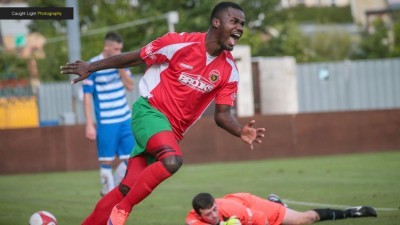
x,y
107,142
352,212
272,211
155,138
102,211
106,177
164,147
294,217
103,208
120,171
125,146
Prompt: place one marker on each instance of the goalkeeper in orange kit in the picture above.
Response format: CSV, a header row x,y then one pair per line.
x,y
248,209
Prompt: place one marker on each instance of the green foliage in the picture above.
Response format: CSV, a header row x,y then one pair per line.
x,y
261,18
49,67
289,42
318,14
320,46
13,67
396,39
395,49
328,46
375,44
345,180
96,14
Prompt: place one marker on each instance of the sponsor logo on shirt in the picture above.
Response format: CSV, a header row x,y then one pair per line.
x,y
186,66
196,82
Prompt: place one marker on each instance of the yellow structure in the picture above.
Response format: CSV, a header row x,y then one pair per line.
x,y
18,112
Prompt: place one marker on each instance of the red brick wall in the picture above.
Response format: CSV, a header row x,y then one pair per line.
x,y
65,148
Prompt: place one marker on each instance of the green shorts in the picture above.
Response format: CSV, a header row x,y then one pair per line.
x,y
146,121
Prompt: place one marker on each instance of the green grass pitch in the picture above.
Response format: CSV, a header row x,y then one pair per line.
x,y
305,183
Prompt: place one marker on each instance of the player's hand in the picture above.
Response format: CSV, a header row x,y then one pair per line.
x,y
79,68
231,221
91,132
251,135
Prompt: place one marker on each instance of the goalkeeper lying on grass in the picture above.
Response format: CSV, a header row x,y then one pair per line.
x,y
248,209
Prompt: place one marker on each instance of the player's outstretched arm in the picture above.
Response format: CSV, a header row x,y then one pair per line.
x,y
79,68
224,118
84,69
250,134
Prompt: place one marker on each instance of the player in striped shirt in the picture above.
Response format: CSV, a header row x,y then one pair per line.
x,y
105,91
185,73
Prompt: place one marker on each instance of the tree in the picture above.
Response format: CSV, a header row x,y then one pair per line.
x,y
395,50
95,14
375,44
329,46
287,41
269,31
13,67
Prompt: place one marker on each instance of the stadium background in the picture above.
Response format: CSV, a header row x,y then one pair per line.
x,y
64,148
311,109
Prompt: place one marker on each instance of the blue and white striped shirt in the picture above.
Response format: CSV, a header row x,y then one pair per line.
x,y
109,96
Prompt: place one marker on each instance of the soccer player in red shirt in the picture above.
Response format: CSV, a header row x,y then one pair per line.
x,y
249,209
185,73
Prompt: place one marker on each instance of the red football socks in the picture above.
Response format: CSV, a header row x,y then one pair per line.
x,y
148,180
102,211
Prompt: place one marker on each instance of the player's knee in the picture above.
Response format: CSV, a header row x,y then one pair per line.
x,y
123,189
172,163
309,217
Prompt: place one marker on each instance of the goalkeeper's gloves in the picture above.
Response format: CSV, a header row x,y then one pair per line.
x,y
231,221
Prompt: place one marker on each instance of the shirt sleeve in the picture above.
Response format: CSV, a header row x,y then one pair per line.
x,y
228,208
88,84
193,219
228,94
156,52
259,218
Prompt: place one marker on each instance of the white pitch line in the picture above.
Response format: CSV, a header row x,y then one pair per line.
x,y
331,205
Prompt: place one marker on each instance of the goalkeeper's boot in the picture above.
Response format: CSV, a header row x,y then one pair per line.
x,y
360,211
117,217
275,198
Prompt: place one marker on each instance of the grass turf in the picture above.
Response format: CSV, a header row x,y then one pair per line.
x,y
344,180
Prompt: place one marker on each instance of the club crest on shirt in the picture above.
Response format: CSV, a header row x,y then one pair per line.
x,y
214,76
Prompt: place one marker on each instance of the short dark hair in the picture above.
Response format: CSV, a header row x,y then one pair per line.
x,y
113,36
202,201
222,6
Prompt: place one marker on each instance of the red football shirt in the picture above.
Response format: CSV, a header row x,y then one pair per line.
x,y
182,79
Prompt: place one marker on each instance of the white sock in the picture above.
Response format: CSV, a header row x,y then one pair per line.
x,y
120,172
107,179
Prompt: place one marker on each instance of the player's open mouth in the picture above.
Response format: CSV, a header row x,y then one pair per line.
x,y
234,38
